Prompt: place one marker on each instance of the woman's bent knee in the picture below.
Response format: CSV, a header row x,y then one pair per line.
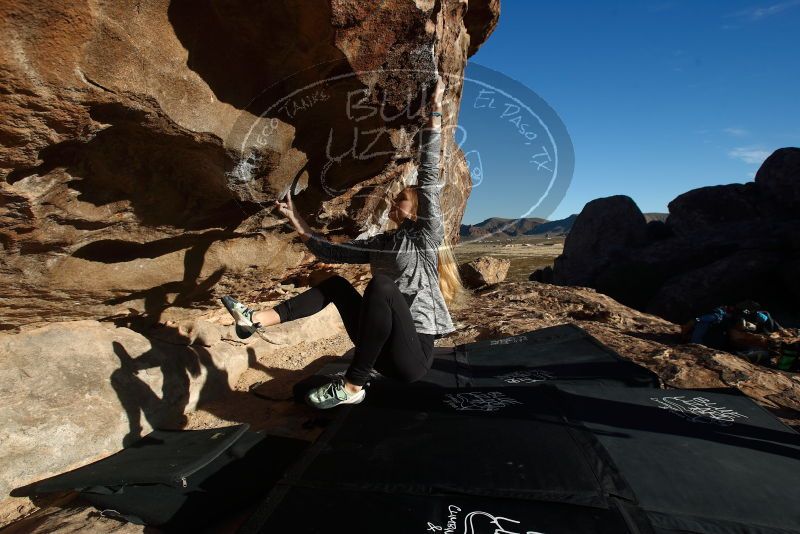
x,y
335,279
380,283
335,285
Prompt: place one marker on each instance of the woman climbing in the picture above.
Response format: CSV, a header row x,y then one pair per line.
x,y
404,307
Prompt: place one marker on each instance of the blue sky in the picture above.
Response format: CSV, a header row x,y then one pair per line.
x,y
658,97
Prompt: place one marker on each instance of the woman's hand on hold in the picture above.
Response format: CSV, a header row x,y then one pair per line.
x,y
286,207
438,94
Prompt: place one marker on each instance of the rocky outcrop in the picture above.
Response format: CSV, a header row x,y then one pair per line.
x,y
544,275
143,142
72,392
513,308
720,244
141,149
699,209
481,20
603,228
778,182
483,271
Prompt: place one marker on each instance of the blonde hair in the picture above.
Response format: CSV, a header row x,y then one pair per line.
x,y
449,279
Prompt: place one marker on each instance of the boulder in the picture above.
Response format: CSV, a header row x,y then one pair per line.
x,y
484,271
480,21
658,230
789,277
730,279
72,392
143,142
604,227
700,210
778,181
719,245
544,275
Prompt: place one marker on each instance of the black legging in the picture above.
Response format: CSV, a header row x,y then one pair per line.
x,y
379,325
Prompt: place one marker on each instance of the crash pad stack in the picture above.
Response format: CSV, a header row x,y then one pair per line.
x,y
548,431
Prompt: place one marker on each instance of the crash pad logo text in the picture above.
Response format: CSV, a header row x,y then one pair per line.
x,y
477,522
508,340
698,410
526,377
482,401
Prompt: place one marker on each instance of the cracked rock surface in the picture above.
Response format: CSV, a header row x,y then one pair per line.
x,y
142,141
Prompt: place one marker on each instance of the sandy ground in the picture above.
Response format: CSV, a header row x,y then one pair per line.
x,y
526,254
263,395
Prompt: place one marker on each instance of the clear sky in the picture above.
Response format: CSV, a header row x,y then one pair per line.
x,y
658,97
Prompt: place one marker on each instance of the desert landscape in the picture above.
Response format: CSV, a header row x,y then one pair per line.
x,y
143,147
526,254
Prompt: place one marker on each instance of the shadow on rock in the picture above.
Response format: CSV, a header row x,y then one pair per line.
x,y
272,397
137,397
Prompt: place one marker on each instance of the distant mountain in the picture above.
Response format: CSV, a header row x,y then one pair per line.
x,y
530,226
559,227
508,227
516,227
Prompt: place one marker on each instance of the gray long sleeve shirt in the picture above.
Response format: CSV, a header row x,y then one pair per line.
x,y
407,255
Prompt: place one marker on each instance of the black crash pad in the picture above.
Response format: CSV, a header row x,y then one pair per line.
x,y
512,445
559,353
181,480
322,511
162,457
696,461
564,353
401,464
594,443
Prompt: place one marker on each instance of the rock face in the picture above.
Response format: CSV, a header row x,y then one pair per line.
x,y
777,182
720,244
544,275
72,392
481,20
483,271
142,141
141,148
604,227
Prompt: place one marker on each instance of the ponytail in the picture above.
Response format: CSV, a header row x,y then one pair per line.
x,y
449,279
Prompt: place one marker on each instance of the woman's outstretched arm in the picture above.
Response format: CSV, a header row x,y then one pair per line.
x,y
429,212
354,251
